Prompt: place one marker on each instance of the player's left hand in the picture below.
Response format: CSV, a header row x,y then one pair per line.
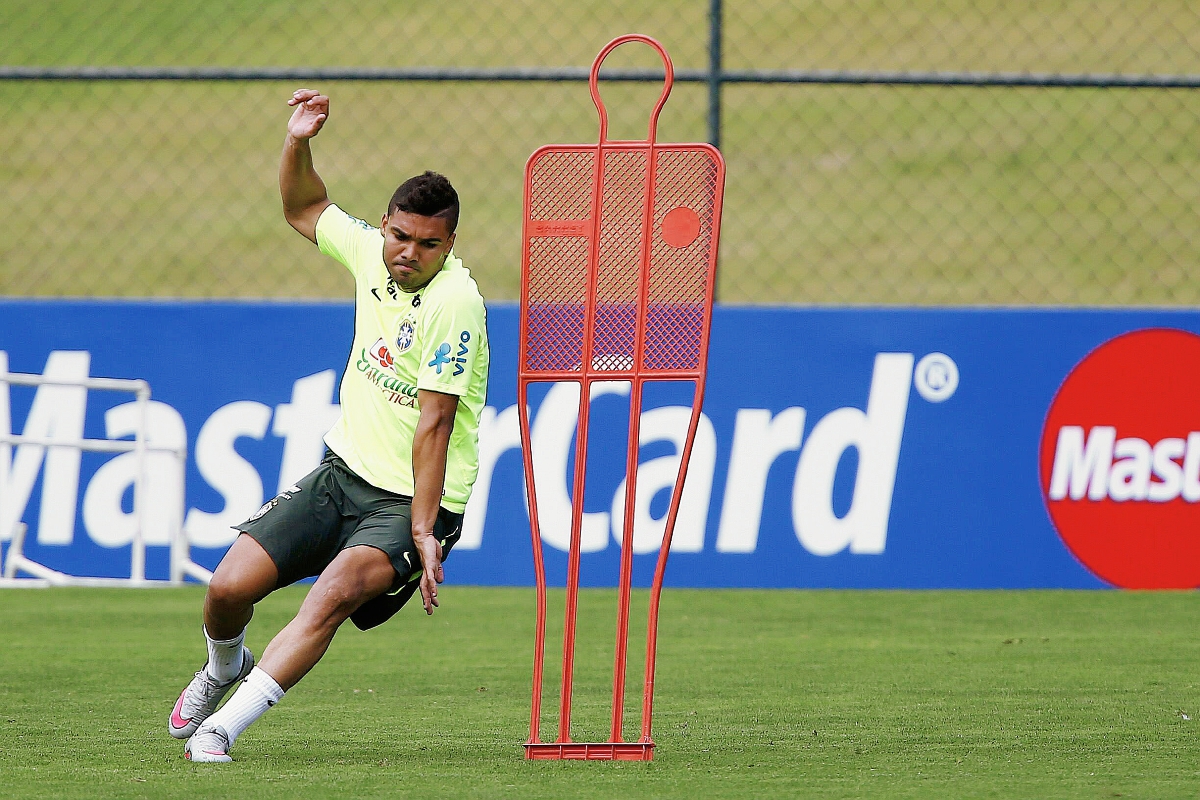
x,y
432,574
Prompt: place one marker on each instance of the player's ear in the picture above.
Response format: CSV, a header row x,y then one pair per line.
x,y
383,222
450,243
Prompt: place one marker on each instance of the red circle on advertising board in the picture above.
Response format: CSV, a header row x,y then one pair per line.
x,y
1120,460
680,226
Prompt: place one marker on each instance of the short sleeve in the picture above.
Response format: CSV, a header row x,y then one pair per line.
x,y
452,339
348,239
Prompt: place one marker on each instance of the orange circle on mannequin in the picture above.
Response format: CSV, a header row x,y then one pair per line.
x,y
680,226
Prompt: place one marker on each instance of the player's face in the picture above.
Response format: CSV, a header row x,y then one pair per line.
x,y
414,247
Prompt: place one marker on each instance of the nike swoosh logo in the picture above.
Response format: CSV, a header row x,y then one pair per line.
x,y
376,293
176,717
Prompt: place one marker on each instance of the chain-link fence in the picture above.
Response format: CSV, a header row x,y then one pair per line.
x,y
879,151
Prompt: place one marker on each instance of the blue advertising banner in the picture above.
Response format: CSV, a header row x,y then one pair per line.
x,y
904,448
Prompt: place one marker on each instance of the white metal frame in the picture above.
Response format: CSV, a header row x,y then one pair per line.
x,y
181,565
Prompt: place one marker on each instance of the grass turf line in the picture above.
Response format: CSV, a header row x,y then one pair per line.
x,y
760,693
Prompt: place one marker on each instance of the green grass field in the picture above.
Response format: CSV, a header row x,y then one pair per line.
x,y
834,194
760,693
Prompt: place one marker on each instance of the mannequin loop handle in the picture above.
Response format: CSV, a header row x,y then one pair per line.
x,y
593,82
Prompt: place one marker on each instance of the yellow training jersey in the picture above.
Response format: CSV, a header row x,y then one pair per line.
x,y
433,339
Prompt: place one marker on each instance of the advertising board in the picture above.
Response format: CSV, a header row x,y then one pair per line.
x,y
839,447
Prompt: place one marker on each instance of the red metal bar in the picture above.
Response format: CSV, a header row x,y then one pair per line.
x,y
550,376
539,567
581,436
606,751
620,656
676,495
660,569
572,604
625,582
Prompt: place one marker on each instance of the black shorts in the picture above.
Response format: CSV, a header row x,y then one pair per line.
x,y
303,531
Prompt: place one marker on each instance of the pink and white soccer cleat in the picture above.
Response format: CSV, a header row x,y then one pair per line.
x,y
208,745
201,698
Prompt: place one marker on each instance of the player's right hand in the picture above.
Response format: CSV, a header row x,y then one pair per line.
x,y
312,109
432,574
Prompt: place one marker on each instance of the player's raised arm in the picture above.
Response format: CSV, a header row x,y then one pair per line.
x,y
302,190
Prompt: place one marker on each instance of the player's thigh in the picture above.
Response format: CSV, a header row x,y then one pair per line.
x,y
355,575
246,573
383,607
388,527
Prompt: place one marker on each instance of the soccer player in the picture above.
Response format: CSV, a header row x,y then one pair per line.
x,y
375,520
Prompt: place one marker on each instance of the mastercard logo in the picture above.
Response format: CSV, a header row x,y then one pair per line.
x,y
1120,460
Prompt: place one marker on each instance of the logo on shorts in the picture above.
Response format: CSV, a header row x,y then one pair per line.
x,y
267,506
404,339
1120,460
286,494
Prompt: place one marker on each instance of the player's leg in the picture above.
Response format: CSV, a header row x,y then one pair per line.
x,y
293,536
356,575
374,553
245,575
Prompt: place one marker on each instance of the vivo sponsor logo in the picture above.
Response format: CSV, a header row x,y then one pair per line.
x,y
1096,465
760,438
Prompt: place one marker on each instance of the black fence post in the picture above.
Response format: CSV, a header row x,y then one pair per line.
x,y
714,87
714,73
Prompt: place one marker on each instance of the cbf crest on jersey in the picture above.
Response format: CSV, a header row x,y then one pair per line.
x,y
406,334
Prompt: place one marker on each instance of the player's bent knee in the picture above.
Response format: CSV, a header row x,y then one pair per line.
x,y
245,575
365,569
347,594
231,590
331,604
348,583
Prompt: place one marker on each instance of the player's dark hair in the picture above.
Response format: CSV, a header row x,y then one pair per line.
x,y
428,195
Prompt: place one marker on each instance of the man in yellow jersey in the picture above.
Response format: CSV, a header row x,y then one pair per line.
x,y
375,520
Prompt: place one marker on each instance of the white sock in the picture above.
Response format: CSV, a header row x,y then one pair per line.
x,y
225,657
252,699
